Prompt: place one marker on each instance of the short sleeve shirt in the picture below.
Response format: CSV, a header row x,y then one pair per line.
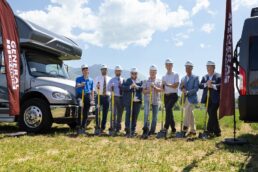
x,y
170,78
88,85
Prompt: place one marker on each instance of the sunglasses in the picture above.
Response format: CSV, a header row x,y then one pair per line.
x,y
133,73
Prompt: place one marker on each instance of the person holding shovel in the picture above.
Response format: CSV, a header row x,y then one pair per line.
x,y
85,95
171,83
132,98
211,83
151,89
101,85
116,84
189,87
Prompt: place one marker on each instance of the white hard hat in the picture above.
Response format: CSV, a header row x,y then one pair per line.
x,y
103,66
168,61
188,63
134,70
210,63
84,66
118,67
153,67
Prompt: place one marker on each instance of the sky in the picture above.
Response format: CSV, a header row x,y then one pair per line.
x,y
139,33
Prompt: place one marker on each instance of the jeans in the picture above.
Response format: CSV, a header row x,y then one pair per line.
x,y
131,119
155,109
85,111
170,100
118,112
104,103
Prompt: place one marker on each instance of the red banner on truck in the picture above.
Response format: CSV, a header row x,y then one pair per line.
x,y
227,92
10,41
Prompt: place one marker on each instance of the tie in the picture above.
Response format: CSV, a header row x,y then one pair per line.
x,y
105,86
120,86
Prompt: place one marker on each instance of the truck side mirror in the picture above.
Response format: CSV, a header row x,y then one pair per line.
x,y
66,67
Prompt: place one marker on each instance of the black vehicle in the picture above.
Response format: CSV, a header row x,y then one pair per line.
x,y
247,69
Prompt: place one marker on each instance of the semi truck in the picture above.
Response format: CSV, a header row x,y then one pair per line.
x,y
47,95
246,66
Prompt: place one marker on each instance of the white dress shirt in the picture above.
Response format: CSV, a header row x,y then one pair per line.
x,y
100,80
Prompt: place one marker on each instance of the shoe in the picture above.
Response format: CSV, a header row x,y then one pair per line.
x,y
173,131
217,134
185,128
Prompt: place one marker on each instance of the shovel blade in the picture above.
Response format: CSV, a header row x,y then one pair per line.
x,y
180,135
162,134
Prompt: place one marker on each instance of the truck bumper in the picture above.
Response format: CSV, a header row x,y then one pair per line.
x,y
67,112
248,108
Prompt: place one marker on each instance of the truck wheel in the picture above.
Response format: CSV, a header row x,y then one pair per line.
x,y
35,116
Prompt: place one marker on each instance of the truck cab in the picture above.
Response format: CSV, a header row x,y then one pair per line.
x,y
247,65
47,95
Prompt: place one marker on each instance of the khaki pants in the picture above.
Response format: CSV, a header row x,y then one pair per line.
x,y
189,121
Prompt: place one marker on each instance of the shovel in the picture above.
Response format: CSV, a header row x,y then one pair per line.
x,y
205,135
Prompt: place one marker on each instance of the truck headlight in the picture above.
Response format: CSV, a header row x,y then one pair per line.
x,y
61,96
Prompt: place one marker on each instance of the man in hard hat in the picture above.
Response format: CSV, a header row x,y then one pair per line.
x,y
116,84
153,85
170,84
132,86
101,83
85,83
189,87
212,82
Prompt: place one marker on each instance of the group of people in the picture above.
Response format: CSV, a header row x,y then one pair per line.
x,y
129,94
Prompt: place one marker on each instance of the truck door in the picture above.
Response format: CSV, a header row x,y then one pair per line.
x,y
3,82
253,66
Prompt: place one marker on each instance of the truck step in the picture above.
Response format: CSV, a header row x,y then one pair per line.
x,y
7,119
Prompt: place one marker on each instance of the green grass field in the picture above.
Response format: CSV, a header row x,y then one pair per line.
x,y
57,151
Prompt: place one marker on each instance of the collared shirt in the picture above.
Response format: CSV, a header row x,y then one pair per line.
x,y
100,80
209,78
155,94
89,86
170,78
117,81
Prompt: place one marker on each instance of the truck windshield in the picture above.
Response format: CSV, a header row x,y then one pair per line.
x,y
46,66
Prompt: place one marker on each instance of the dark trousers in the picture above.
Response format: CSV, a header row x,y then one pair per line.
x,y
118,112
104,103
213,122
170,100
128,117
85,111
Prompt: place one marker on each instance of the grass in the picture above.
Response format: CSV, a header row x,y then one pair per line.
x,y
57,151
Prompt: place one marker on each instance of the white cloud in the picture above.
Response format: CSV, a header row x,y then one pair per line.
x,y
116,24
179,43
179,38
244,3
200,5
208,27
202,45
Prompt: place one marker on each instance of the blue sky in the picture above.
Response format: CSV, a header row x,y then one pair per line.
x,y
139,33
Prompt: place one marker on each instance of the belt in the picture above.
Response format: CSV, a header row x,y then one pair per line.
x,y
170,94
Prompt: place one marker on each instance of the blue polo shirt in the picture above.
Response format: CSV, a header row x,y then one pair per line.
x,y
88,85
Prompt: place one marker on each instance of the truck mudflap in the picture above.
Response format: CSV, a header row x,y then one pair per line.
x,y
248,108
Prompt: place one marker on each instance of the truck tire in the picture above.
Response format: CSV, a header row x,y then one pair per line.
x,y
35,116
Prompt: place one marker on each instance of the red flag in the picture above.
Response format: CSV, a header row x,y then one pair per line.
x,y
227,101
10,41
